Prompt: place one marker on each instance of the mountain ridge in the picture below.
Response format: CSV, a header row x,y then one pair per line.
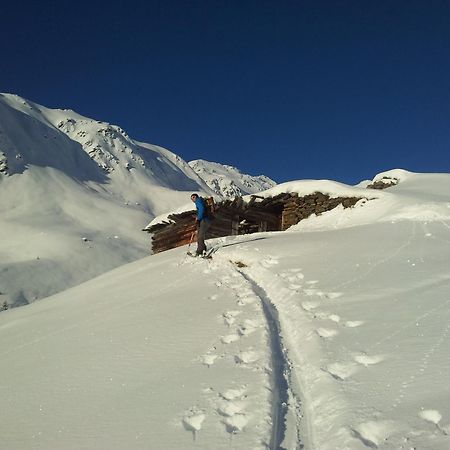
x,y
228,181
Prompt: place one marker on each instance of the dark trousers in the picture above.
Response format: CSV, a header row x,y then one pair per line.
x,y
201,235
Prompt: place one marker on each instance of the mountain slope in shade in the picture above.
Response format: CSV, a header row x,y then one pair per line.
x,y
75,194
228,181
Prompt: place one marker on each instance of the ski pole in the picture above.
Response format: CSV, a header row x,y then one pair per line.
x,y
190,242
188,252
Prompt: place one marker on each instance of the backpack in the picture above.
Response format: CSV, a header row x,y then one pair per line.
x,y
210,206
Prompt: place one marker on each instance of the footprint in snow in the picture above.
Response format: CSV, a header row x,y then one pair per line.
x,y
193,420
246,300
208,360
236,423
230,408
353,323
366,360
230,317
332,295
213,297
433,416
341,371
247,357
295,287
374,433
233,394
248,327
326,333
230,338
309,306
334,318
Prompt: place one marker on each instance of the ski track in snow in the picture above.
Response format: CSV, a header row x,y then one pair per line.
x,y
340,371
295,282
230,407
370,433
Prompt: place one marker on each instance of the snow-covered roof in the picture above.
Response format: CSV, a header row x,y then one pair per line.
x,y
300,187
306,187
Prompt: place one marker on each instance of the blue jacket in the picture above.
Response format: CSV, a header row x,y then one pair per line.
x,y
201,210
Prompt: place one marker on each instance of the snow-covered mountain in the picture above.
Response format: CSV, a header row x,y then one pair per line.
x,y
332,335
76,193
33,135
228,181
81,189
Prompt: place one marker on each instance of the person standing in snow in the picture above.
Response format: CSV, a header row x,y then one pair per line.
x,y
203,223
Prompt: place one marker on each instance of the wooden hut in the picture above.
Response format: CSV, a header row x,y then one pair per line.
x,y
237,216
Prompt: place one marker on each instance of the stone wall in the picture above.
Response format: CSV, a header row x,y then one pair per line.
x,y
299,208
384,183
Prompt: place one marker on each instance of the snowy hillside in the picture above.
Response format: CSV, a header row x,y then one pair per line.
x,y
332,335
227,181
76,193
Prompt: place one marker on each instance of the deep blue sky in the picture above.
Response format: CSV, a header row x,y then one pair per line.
x,y
292,89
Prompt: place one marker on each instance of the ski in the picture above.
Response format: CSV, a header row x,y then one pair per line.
x,y
207,255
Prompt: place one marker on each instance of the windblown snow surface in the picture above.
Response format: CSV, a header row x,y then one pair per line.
x,y
333,335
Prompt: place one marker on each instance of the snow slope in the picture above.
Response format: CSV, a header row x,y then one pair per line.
x,y
173,352
228,181
76,193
